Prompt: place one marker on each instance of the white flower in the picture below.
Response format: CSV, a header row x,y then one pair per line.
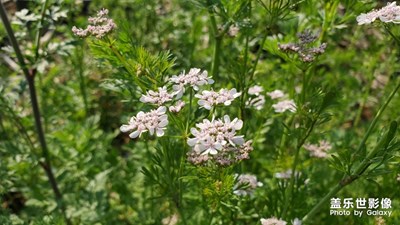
x,y
195,78
177,107
208,99
367,18
153,121
388,14
233,30
284,105
157,98
319,150
257,102
213,135
286,175
398,177
247,184
255,90
276,94
296,221
272,221
99,26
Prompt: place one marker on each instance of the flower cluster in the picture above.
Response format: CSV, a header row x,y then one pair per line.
x,y
272,221
246,184
275,221
177,107
153,121
208,99
99,26
158,98
319,150
195,78
257,100
306,53
388,14
286,175
276,94
285,105
217,141
156,120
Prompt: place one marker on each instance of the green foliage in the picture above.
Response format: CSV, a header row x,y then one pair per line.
x,y
88,88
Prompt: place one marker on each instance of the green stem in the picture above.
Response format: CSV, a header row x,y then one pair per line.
x,y
190,111
362,167
377,117
290,189
46,165
347,180
253,70
39,27
217,36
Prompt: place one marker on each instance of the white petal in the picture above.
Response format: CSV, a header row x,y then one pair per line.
x,y
192,141
126,128
238,140
163,123
161,110
160,132
134,134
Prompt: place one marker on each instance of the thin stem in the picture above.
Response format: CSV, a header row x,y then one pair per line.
x,y
362,167
253,70
36,113
377,117
39,27
347,180
218,41
190,111
294,166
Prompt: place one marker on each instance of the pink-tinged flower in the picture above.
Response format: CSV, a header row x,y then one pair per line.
x,y
213,136
246,184
320,150
208,99
154,121
233,30
255,90
99,26
272,221
276,94
177,107
195,78
388,14
285,105
367,18
158,98
257,102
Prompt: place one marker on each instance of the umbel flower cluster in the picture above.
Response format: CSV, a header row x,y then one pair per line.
x,y
246,184
318,150
388,14
256,99
156,121
302,48
216,141
284,104
99,26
